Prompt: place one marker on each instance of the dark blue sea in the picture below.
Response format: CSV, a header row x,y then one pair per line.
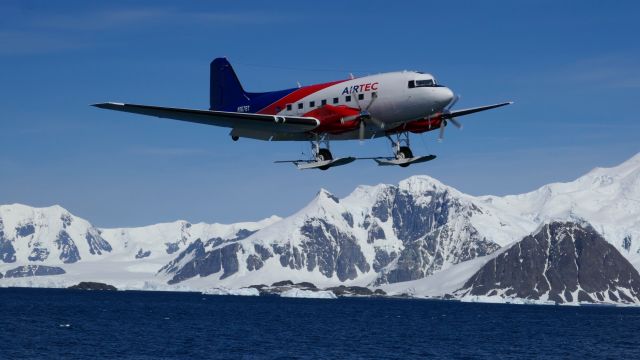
x,y
67,324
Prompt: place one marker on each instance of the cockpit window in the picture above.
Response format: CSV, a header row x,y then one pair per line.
x,y
424,83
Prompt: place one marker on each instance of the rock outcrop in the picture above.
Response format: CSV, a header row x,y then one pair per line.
x,y
89,285
34,270
562,262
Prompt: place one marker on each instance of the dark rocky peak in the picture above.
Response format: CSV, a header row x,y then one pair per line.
x,y
561,262
419,197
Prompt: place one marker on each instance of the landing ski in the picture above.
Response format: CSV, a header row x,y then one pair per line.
x,y
392,161
322,165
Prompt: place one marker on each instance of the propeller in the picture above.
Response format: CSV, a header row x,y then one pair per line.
x,y
445,112
366,116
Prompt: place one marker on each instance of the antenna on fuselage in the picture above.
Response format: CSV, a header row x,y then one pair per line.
x,y
299,85
351,76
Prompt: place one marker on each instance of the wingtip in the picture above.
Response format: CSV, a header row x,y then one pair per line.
x,y
107,105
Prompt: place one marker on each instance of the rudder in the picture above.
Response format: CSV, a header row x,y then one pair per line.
x,y
225,93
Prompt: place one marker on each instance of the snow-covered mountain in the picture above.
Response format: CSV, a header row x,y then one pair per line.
x,y
402,237
562,262
56,239
47,236
607,198
377,234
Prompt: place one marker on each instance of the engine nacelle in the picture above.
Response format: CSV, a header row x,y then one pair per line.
x,y
336,119
420,126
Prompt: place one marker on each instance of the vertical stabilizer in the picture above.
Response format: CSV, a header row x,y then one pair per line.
x,y
226,93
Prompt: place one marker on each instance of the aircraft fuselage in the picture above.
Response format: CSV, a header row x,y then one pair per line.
x,y
395,98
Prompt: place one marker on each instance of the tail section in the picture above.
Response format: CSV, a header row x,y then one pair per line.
x,y
226,93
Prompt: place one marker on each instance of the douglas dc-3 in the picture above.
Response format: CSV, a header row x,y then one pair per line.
x,y
391,104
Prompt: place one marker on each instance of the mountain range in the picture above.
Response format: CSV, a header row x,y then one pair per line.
x,y
419,237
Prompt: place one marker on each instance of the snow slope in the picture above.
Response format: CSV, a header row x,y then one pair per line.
x,y
607,198
128,257
419,236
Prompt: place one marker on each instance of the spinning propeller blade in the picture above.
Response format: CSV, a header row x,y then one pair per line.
x,y
456,123
366,116
445,112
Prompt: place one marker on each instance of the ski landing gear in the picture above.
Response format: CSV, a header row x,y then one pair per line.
x,y
322,157
403,154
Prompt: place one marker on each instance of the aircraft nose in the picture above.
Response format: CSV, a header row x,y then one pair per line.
x,y
445,96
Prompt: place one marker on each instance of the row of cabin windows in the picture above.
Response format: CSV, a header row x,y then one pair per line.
x,y
323,102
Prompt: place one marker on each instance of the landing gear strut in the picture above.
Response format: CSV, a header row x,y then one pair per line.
x,y
321,154
322,158
401,148
403,156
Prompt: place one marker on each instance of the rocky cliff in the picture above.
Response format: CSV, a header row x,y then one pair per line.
x,y
563,262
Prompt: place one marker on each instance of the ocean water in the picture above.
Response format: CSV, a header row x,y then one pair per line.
x,y
65,324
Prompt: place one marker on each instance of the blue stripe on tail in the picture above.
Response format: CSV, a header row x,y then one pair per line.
x,y
226,92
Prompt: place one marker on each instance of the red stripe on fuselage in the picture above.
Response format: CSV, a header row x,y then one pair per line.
x,y
295,96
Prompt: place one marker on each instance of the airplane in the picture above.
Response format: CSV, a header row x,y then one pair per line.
x,y
392,105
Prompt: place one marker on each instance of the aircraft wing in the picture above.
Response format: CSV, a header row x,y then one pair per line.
x,y
244,121
463,112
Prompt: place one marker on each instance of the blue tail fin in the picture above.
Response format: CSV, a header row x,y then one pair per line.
x,y
226,93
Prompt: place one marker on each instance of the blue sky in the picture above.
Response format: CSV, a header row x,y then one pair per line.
x,y
573,68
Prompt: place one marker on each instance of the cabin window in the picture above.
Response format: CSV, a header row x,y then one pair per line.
x,y
347,98
360,96
412,84
336,100
323,102
300,105
288,107
312,104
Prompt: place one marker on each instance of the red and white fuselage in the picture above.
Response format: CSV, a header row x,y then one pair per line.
x,y
394,99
